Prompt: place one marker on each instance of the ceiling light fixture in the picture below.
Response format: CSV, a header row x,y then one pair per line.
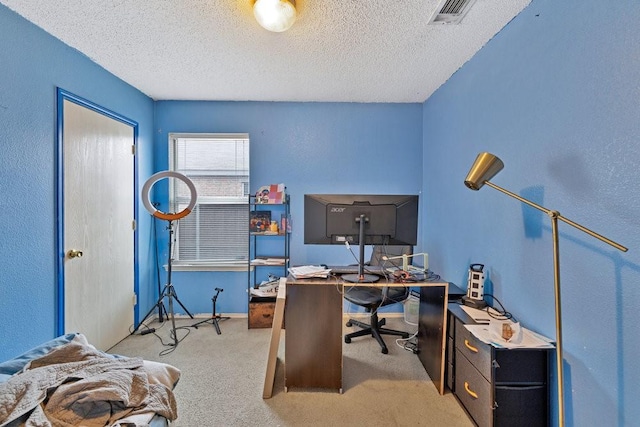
x,y
275,15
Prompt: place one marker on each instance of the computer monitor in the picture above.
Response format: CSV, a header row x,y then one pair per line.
x,y
362,219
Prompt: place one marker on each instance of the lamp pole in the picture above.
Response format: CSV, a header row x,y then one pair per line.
x,y
555,216
556,287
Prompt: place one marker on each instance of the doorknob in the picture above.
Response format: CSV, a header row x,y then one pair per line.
x,y
73,253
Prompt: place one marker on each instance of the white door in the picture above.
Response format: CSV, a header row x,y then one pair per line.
x,y
98,201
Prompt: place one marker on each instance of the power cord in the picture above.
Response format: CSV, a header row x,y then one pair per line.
x,y
409,344
151,330
173,345
497,313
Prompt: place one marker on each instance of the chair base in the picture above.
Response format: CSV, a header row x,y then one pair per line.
x,y
375,329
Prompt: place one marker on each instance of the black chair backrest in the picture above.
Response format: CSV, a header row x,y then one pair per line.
x,y
380,251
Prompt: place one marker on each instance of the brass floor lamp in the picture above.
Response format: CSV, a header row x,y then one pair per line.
x,y
486,167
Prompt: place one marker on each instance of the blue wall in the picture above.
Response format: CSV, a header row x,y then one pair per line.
x,y
311,148
556,95
34,64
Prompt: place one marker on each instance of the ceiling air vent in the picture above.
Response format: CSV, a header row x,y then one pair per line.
x,y
451,11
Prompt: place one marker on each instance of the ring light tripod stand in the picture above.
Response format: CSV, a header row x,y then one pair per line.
x,y
168,291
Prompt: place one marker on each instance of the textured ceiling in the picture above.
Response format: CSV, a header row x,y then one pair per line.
x,y
337,51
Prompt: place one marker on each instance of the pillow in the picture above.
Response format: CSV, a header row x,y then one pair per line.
x,y
161,373
16,364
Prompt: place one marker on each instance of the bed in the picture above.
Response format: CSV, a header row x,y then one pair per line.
x,y
68,382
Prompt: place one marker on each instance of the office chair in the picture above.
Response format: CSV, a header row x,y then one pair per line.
x,y
374,297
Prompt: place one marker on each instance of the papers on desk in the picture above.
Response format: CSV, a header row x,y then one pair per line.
x,y
490,331
309,271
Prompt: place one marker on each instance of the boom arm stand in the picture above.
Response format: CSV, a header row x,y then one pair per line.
x,y
214,317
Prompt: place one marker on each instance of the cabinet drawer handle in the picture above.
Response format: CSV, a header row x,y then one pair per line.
x,y
470,347
468,390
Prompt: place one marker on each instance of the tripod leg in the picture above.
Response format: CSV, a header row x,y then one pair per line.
x,y
178,301
166,314
195,325
215,316
158,304
215,323
173,322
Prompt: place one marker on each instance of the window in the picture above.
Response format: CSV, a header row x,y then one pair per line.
x,y
215,232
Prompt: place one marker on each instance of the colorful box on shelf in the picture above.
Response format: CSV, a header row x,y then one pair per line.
x,y
271,194
259,221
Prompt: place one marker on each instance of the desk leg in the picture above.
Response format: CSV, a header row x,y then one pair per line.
x,y
313,345
432,332
276,328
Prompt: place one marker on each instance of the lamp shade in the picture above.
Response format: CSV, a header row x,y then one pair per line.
x,y
275,15
484,168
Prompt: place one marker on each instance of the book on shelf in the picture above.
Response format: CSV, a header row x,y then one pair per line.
x,y
285,223
259,221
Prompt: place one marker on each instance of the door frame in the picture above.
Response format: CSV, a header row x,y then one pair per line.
x,y
61,96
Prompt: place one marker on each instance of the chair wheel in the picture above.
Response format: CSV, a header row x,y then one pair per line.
x,y
385,350
349,324
405,335
347,340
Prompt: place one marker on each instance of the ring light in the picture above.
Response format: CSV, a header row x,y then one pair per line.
x,y
162,215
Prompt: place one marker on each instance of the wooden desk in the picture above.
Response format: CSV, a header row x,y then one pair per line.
x,y
313,345
276,328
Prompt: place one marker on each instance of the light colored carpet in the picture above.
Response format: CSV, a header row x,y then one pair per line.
x,y
223,377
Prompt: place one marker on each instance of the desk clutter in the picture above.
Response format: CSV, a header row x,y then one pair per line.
x,y
412,273
491,328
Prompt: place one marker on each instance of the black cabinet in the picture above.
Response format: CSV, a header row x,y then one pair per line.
x,y
269,237
497,386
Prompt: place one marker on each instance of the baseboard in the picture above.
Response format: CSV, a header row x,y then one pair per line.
x,y
358,315
203,316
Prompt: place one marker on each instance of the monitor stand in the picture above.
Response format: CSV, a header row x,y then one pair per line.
x,y
361,277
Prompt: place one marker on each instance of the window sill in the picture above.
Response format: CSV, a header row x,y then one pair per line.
x,y
207,267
